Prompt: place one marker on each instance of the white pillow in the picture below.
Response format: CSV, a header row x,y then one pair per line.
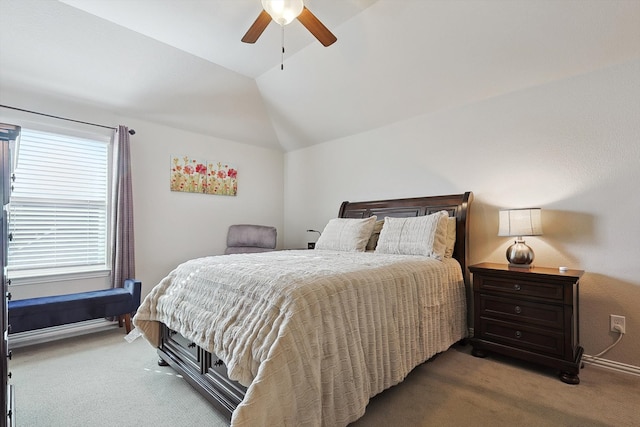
x,y
451,237
346,234
422,235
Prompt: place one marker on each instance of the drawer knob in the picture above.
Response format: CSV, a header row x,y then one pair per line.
x,y
218,362
518,309
516,287
192,345
518,334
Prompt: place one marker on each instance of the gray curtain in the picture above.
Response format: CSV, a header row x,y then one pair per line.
x,y
122,255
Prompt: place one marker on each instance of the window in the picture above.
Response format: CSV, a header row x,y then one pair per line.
x,y
59,207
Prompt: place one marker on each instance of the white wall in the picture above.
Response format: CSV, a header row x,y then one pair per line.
x,y
570,147
170,227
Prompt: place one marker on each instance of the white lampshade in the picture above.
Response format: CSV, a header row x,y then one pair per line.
x,y
283,11
520,222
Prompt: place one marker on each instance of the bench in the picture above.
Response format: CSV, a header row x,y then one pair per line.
x,y
43,312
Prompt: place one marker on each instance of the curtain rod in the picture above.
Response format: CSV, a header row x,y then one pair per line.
x,y
131,131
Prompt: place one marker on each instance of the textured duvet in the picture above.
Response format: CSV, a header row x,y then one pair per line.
x,y
312,334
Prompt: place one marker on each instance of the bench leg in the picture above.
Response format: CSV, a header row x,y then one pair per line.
x,y
126,318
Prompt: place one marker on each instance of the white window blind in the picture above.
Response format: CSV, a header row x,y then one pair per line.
x,y
59,206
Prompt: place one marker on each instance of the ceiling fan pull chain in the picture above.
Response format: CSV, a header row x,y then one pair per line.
x,y
282,58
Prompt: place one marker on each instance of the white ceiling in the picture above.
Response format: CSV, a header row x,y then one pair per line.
x,y
181,62
212,29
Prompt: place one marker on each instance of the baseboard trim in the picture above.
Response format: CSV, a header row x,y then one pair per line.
x,y
39,336
612,365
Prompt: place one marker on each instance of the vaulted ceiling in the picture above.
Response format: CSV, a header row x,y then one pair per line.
x,y
181,62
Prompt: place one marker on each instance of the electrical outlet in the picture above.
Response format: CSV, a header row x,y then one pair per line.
x,y
617,323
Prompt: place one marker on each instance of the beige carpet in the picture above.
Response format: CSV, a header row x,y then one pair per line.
x,y
457,389
101,380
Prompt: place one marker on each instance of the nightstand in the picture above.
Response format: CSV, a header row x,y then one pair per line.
x,y
531,314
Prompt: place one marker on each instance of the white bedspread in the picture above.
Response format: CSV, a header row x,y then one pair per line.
x,y
313,334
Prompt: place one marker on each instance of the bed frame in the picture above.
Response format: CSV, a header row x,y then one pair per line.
x,y
208,374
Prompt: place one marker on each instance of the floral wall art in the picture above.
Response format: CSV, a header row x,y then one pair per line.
x,y
193,176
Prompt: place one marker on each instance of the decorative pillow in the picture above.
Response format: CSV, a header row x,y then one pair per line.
x,y
451,237
346,234
375,235
422,235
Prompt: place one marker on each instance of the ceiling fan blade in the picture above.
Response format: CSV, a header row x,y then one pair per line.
x,y
257,27
316,27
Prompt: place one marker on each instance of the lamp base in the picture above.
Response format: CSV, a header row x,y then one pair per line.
x,y
520,255
521,266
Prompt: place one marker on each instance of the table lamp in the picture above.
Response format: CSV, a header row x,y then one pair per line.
x,y
519,223
312,245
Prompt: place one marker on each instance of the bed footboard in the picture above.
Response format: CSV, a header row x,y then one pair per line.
x,y
203,370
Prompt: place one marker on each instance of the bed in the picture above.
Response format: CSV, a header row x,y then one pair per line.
x,y
307,337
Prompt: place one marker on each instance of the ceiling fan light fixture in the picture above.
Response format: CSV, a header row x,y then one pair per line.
x,y
283,11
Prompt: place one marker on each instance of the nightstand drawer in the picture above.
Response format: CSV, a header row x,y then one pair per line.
x,y
523,336
522,311
521,288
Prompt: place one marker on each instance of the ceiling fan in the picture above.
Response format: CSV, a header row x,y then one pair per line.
x,y
284,12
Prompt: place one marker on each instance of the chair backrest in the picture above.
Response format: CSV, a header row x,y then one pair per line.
x,y
246,238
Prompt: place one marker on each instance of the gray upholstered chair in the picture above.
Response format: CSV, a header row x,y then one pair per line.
x,y
245,238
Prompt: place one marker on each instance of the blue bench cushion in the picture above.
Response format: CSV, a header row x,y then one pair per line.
x,y
43,312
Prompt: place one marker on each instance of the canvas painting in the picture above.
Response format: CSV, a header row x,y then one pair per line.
x,y
194,176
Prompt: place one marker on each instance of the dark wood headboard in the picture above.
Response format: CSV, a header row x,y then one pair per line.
x,y
456,204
